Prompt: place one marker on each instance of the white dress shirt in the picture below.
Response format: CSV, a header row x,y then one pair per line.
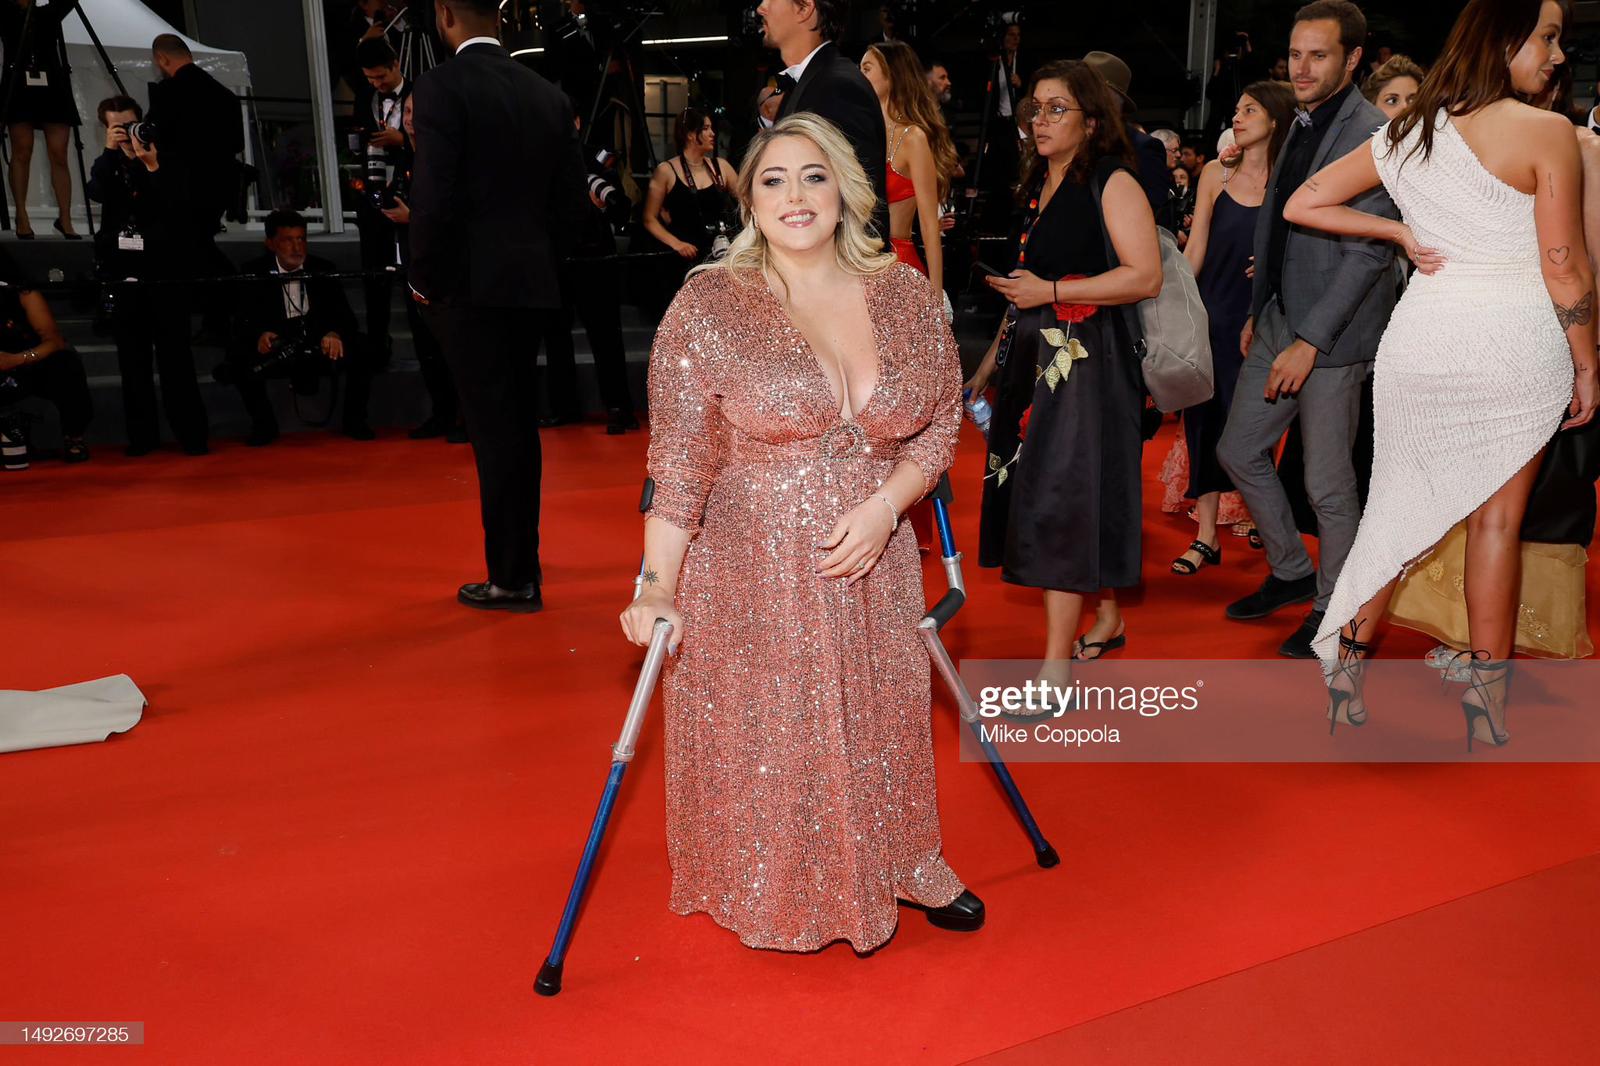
x,y
296,302
470,41
799,68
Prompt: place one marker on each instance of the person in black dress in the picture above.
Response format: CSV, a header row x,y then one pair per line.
x,y
38,95
690,200
1061,492
1219,249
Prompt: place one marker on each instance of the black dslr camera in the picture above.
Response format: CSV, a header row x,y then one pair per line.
x,y
296,356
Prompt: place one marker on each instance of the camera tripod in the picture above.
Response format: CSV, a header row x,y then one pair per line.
x,y
24,40
416,50
632,105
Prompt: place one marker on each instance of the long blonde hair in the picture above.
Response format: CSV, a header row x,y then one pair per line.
x,y
857,243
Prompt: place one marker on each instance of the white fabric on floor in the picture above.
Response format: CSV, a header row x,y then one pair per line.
x,y
84,713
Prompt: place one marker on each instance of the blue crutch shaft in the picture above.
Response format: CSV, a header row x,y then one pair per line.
x,y
549,980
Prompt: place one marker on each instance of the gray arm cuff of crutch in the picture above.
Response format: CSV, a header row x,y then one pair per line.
x,y
623,750
952,573
946,669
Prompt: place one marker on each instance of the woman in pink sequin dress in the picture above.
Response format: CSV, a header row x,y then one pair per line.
x,y
803,393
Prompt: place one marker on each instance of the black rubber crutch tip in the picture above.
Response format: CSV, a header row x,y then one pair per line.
x,y
549,980
1047,857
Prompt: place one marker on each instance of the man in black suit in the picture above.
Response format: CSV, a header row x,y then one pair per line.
x,y
820,80
198,125
294,307
497,192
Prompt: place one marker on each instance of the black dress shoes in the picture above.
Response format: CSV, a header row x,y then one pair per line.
x,y
486,596
1298,646
551,421
964,914
1273,595
359,431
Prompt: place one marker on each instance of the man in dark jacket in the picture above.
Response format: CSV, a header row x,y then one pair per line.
x,y
497,192
146,233
591,289
1155,177
820,80
198,125
295,311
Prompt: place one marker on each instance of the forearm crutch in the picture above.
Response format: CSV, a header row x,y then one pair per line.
x,y
549,980
929,627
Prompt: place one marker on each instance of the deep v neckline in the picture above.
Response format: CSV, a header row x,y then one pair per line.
x,y
816,357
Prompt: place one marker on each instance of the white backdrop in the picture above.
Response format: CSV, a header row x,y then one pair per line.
x,y
125,28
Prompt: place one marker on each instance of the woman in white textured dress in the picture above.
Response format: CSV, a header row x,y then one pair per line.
x,y
1490,351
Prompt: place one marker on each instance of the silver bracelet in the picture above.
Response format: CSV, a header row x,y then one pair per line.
x,y
892,511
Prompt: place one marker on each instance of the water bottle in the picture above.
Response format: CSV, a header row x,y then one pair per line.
x,y
980,412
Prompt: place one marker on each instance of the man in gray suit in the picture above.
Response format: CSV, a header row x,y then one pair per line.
x,y
1319,307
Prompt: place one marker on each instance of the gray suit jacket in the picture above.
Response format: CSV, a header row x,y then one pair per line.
x,y
1338,291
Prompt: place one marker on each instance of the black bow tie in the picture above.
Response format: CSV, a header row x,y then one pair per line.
x,y
390,96
786,83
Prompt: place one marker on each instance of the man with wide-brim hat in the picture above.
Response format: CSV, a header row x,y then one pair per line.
x,y
1150,153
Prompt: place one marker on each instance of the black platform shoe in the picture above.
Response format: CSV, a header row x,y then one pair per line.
x,y
964,914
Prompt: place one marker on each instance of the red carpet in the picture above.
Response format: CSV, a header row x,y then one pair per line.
x,y
345,827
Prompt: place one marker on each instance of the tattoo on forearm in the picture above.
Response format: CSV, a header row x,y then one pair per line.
x,y
1579,314
1311,183
650,578
1550,184
1559,256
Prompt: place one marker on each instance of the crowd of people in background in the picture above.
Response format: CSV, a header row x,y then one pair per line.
x,y
1220,193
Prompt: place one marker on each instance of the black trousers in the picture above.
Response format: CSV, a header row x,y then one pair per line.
x,y
151,329
378,252
58,380
430,359
591,292
490,352
355,366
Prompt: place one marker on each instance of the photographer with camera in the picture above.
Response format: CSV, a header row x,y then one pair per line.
x,y
146,234
294,323
386,155
591,289
445,418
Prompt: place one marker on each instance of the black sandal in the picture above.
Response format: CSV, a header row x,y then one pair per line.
x,y
74,450
1100,647
1254,539
1208,556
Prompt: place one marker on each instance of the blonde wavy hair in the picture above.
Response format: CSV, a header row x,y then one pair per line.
x,y
857,243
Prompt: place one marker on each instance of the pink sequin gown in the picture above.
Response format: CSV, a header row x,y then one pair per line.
x,y
799,760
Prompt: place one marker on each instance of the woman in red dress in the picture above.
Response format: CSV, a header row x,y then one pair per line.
x,y
920,154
